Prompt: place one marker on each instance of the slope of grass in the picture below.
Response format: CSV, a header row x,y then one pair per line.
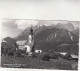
x,y
37,63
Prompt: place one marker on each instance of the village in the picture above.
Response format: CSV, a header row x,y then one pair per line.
x,y
26,49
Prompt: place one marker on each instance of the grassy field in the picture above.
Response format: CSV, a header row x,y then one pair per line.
x,y
38,63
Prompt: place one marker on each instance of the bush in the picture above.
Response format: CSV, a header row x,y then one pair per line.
x,y
55,55
46,57
34,55
67,56
19,52
7,49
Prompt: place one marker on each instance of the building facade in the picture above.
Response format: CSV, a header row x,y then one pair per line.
x,y
27,45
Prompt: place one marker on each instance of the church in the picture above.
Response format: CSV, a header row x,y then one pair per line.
x,y
28,44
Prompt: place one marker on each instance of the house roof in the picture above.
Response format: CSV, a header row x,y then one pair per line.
x,y
22,42
74,56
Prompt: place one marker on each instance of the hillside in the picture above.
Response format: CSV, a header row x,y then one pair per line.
x,y
9,40
24,35
68,26
49,38
76,31
56,35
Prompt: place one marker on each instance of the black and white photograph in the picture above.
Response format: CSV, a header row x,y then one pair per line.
x,y
40,44
39,35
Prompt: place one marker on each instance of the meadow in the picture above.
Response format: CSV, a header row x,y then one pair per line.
x,y
38,63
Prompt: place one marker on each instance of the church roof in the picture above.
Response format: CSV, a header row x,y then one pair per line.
x,y
22,42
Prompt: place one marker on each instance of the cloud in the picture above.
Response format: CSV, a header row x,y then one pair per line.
x,y
9,28
9,23
22,24
12,27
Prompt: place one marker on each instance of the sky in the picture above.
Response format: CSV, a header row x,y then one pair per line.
x,y
13,28
17,10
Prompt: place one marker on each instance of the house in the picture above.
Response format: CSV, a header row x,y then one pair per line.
x,y
21,42
38,51
62,53
71,56
74,57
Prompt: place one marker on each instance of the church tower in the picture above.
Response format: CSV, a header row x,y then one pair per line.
x,y
31,40
30,44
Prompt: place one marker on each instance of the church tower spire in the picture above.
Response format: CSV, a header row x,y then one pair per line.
x,y
31,31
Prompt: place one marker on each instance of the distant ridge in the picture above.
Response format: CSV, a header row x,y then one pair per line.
x,y
24,34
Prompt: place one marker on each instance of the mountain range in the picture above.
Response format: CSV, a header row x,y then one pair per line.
x,y
59,37
38,28
54,39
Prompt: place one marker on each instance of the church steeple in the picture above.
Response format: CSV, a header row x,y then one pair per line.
x,y
31,31
30,43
